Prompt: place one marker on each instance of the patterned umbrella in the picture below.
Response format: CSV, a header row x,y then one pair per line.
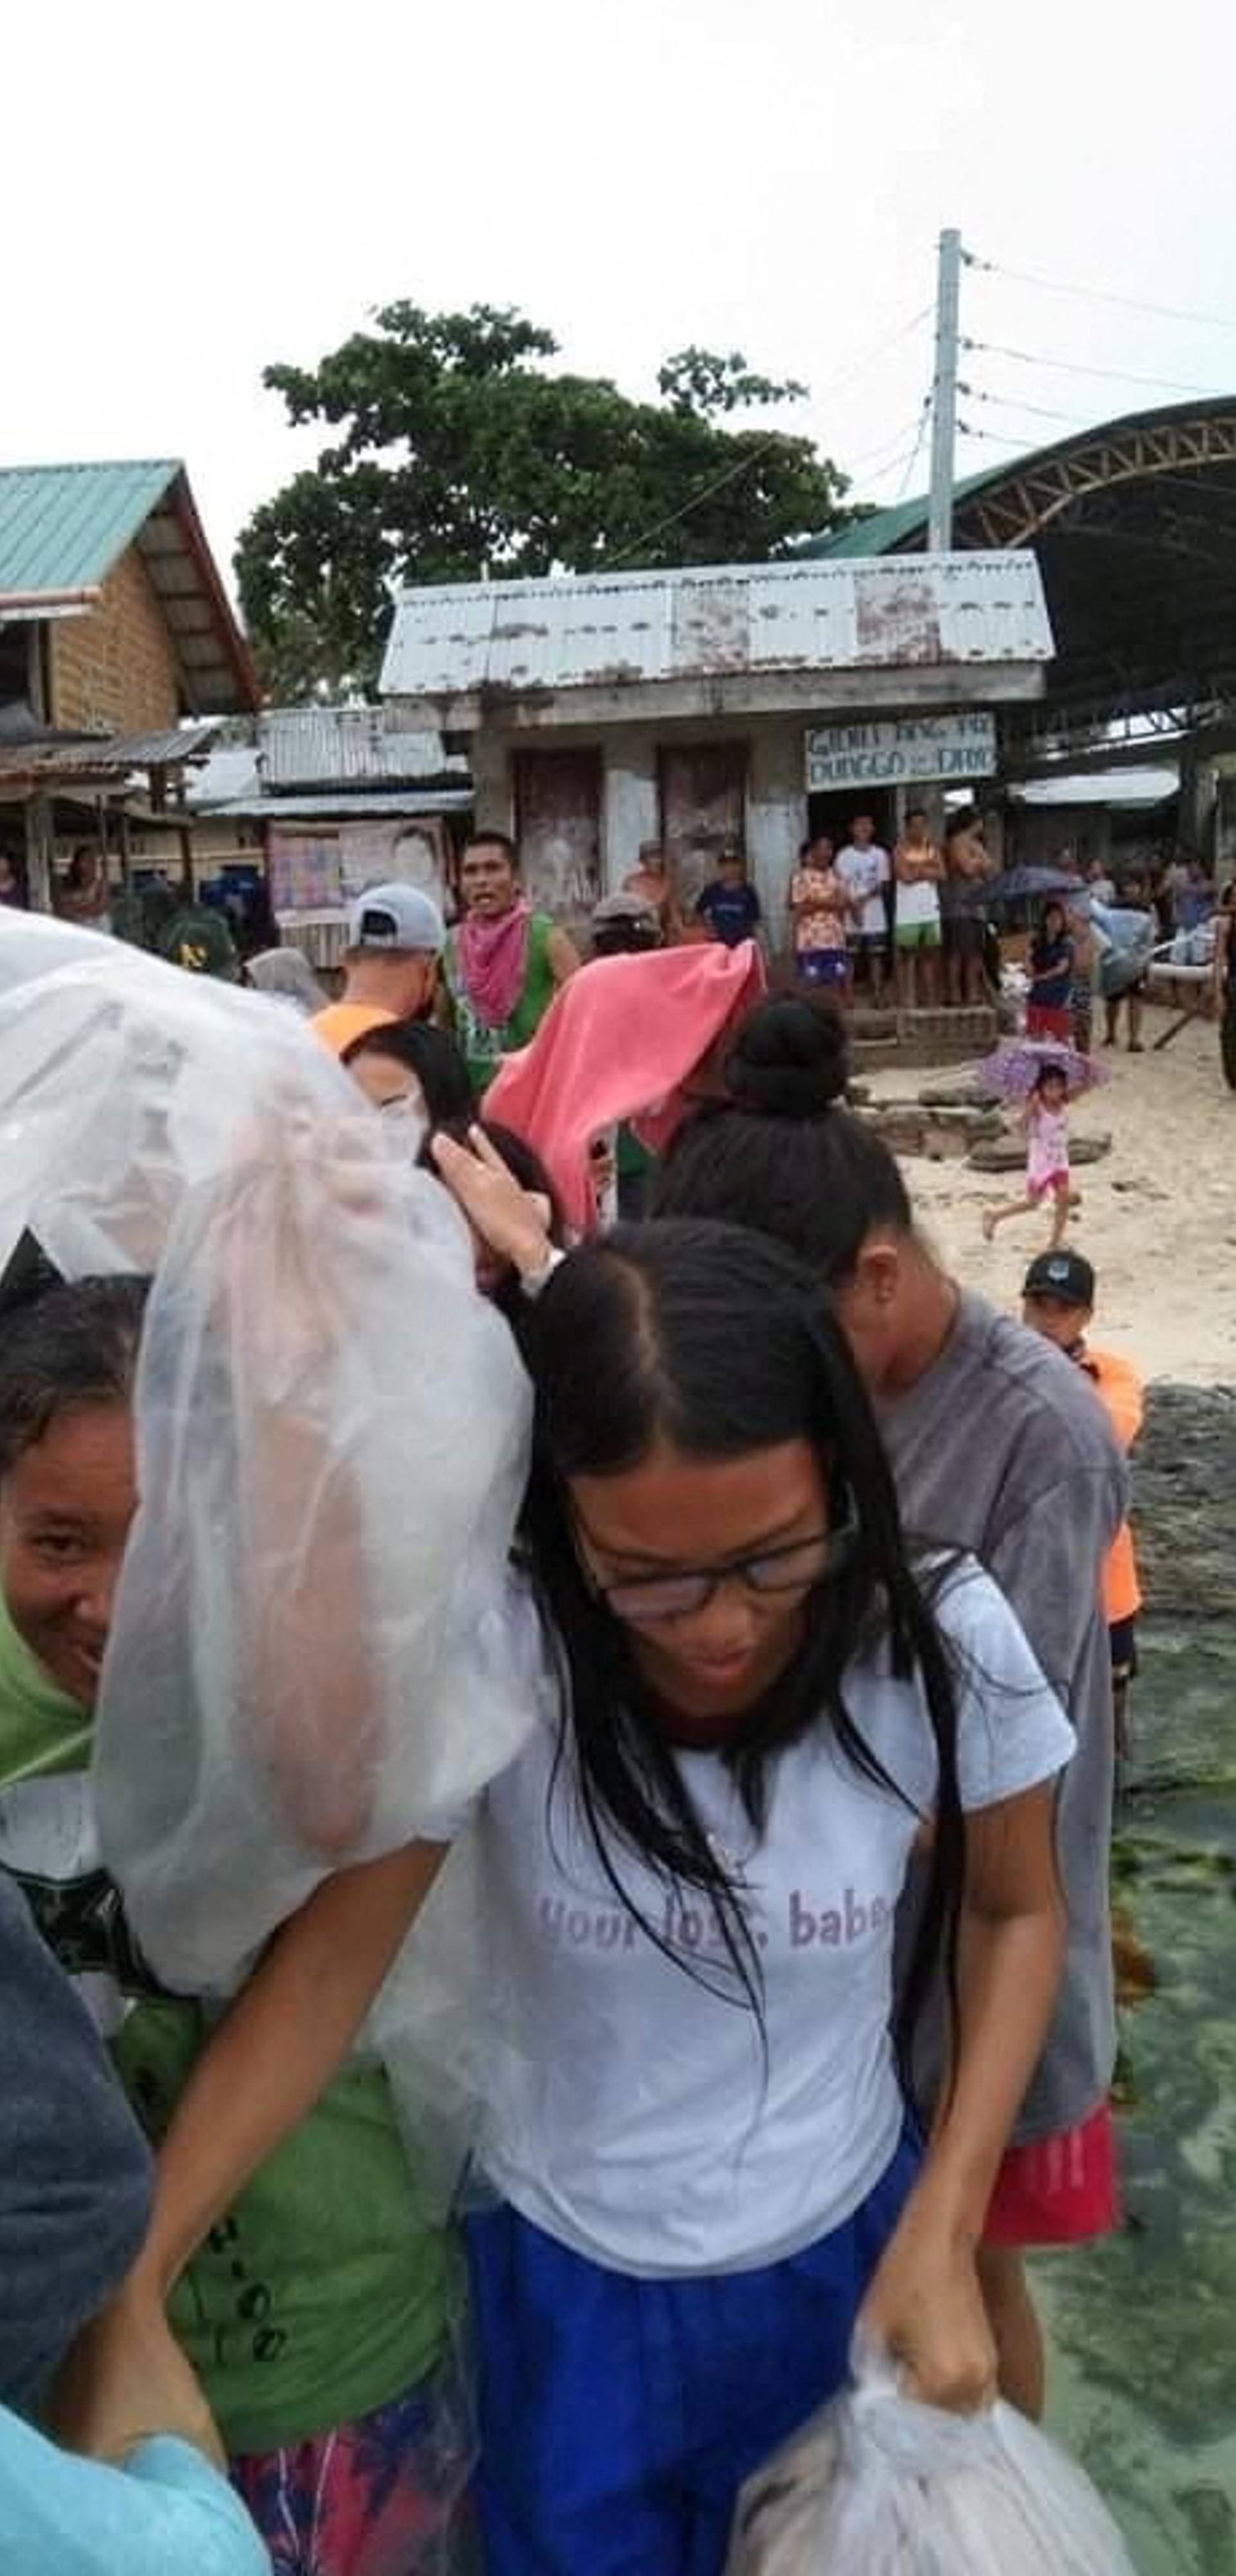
x,y
1014,1069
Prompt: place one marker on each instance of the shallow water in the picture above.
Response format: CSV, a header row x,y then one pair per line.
x,y
1143,2328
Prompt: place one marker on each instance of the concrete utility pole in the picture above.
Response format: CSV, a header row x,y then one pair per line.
x,y
944,396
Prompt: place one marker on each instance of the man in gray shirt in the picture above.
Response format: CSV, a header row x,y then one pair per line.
x,y
998,1447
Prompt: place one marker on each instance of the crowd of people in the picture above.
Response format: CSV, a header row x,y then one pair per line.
x,y
788,1963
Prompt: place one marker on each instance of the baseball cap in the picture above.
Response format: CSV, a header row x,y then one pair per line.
x,y
396,916
1063,1275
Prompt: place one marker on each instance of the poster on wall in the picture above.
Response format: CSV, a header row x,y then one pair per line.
x,y
304,872
902,751
325,870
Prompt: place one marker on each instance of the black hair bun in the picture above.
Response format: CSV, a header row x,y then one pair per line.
x,y
790,1059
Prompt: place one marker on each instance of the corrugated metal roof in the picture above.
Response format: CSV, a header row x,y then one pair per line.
x,y
62,527
231,771
586,632
347,802
318,747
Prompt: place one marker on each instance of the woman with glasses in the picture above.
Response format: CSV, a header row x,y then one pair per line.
x,y
697,2139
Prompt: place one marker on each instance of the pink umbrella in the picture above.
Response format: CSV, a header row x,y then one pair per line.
x,y
1014,1070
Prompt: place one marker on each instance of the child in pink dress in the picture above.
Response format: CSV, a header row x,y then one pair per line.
x,y
1046,1122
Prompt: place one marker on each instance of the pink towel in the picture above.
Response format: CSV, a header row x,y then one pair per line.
x,y
622,1038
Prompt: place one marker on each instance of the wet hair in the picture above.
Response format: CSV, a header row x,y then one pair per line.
x,y
783,1153
432,1055
493,841
627,935
715,1341
66,1348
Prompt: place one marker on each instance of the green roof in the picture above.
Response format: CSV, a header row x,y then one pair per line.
x,y
882,531
63,527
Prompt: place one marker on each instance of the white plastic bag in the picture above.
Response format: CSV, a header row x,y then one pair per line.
x,y
879,2486
312,1658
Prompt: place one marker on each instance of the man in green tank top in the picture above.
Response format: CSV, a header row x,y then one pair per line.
x,y
504,962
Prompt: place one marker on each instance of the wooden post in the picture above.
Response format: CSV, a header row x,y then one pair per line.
x,y
38,855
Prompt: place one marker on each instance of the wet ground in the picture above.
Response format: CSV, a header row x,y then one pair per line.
x,y
1143,2328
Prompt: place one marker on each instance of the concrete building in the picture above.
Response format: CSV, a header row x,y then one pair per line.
x,y
706,707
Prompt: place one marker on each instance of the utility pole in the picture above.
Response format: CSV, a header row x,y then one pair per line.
x,y
944,395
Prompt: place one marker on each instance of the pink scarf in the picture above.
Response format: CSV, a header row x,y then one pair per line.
x,y
493,957
621,1040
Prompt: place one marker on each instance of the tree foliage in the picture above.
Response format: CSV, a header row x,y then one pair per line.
x,y
456,450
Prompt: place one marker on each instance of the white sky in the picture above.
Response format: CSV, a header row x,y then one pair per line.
x,y
189,196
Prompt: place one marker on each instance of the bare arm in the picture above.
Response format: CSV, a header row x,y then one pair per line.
x,y
924,2305
263,2070
563,955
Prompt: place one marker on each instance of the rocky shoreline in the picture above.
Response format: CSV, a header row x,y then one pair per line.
x,y
1184,1501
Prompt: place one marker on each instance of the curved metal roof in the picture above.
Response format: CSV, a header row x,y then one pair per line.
x,y
1134,526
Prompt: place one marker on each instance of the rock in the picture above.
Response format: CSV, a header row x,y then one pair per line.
x,y
957,1095
1184,1489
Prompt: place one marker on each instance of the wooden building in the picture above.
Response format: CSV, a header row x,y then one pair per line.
x,y
115,627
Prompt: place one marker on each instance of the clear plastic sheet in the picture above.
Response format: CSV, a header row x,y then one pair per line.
x,y
879,2484
311,1658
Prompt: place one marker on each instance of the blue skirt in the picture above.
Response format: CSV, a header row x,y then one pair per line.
x,y
619,2416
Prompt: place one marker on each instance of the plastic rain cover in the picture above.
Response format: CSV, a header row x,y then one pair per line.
x,y
312,1658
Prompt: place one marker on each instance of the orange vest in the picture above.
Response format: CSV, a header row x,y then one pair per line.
x,y
1119,1387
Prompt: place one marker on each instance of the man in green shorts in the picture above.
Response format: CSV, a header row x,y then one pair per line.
x,y
916,935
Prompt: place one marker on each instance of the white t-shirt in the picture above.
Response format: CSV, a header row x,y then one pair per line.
x,y
636,2118
864,873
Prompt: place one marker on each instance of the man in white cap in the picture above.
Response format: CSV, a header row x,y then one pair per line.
x,y
396,936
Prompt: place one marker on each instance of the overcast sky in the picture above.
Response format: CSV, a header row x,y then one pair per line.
x,y
190,196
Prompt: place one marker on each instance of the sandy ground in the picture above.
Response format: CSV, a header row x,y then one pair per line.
x,y
1158,1215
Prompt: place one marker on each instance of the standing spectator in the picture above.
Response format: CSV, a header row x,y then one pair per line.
x,y
729,904
1134,897
10,882
866,872
1085,970
390,966
919,870
967,862
1099,883
85,896
1058,1302
505,961
652,882
1049,1009
819,910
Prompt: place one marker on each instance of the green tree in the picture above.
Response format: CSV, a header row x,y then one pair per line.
x,y
458,450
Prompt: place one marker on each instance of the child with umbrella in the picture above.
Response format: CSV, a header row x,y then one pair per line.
x,y
1042,1077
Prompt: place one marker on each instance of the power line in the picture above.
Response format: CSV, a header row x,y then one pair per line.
x,y
917,449
1037,411
1073,367
858,464
756,455
1099,295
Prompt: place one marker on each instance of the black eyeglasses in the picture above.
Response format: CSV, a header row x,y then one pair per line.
x,y
644,1600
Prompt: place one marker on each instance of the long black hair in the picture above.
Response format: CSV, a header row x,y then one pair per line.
x,y
716,1341
432,1055
783,1153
